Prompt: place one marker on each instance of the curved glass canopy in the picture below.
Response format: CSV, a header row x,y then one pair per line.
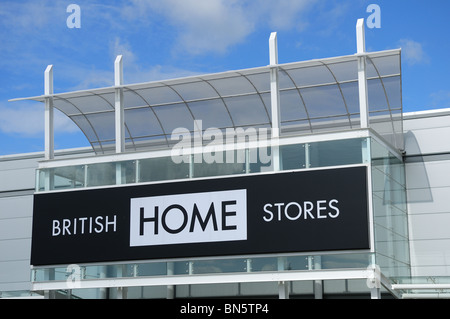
x,y
315,96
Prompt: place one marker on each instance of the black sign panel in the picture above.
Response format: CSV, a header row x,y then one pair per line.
x,y
285,212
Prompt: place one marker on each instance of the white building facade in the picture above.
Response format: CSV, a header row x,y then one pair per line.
x,y
299,180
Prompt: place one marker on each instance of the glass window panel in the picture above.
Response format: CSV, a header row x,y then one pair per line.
x,y
218,169
261,81
147,142
393,89
260,160
159,95
195,90
127,171
67,177
65,107
110,98
85,126
108,146
103,124
212,113
101,174
152,269
351,95
323,101
311,75
377,97
232,86
291,106
370,69
336,123
284,81
344,261
142,122
297,263
345,71
296,127
355,120
163,168
174,116
90,103
131,99
247,110
387,65
333,153
264,264
219,266
293,156
267,104
381,123
97,147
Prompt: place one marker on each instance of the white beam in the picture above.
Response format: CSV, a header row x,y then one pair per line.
x,y
420,286
49,152
206,279
119,113
362,77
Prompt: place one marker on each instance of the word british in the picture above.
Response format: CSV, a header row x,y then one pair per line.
x,y
84,225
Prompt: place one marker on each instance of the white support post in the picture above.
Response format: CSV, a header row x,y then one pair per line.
x,y
275,100
318,284
283,286
375,293
362,78
274,87
283,289
49,117
170,288
119,113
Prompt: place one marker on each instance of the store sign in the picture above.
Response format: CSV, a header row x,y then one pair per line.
x,y
285,212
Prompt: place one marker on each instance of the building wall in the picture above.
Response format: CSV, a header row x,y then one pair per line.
x,y
427,157
16,208
427,145
17,184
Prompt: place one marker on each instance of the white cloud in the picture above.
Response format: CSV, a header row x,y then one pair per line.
x,y
413,52
440,99
27,119
123,48
30,15
204,26
133,70
282,14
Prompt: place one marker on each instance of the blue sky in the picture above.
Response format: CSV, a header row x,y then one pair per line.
x,y
162,39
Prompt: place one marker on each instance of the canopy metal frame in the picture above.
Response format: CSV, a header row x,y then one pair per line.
x,y
342,93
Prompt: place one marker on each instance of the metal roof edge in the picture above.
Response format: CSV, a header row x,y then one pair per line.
x,y
201,77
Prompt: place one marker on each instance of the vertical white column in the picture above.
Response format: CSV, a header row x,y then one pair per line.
x,y
283,286
362,78
170,288
49,117
318,284
274,87
119,113
274,100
